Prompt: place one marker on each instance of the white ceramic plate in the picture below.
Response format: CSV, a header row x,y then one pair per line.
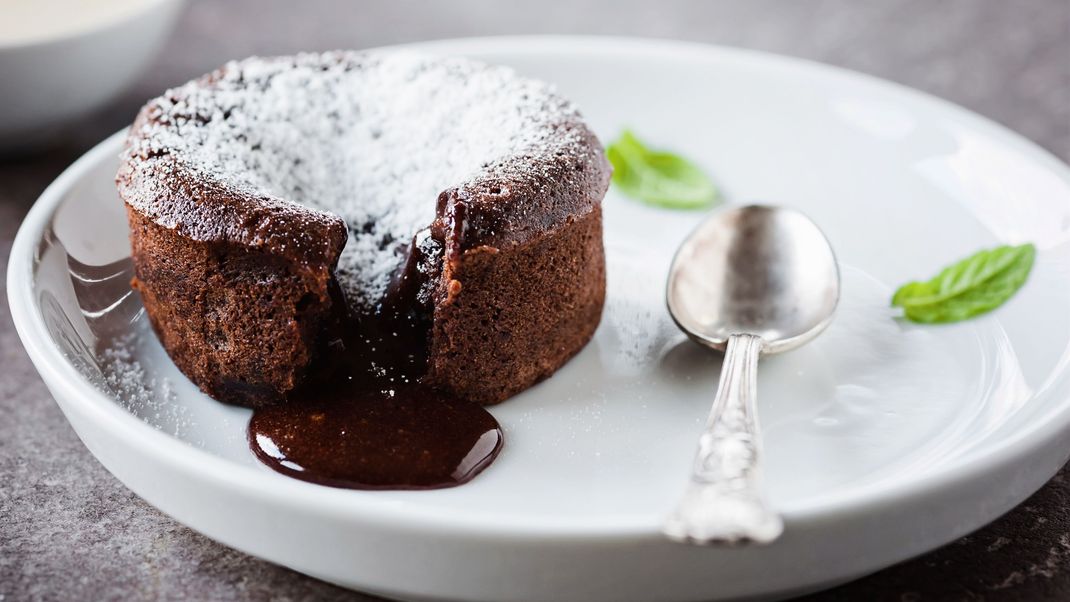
x,y
883,439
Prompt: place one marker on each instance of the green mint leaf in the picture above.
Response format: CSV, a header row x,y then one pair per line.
x,y
658,177
973,286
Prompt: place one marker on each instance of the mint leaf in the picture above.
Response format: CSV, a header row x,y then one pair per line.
x,y
973,286
658,177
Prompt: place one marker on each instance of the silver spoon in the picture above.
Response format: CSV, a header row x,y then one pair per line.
x,y
748,281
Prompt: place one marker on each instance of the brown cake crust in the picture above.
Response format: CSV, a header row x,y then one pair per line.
x,y
509,317
209,302
238,285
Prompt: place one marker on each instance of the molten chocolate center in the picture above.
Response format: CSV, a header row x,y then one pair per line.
x,y
362,419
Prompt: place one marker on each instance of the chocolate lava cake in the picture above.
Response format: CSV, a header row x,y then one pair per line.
x,y
453,201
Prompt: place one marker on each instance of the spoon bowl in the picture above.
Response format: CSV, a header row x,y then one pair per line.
x,y
758,270
749,280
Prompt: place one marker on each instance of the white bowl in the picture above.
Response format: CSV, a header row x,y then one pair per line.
x,y
47,82
883,439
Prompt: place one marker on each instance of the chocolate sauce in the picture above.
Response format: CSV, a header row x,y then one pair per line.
x,y
413,439
363,419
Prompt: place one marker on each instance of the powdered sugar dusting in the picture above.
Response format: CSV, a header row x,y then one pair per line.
x,y
141,392
371,137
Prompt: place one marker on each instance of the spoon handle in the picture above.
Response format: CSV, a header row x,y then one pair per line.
x,y
724,502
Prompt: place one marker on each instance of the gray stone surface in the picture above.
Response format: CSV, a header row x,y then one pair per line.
x,y
68,530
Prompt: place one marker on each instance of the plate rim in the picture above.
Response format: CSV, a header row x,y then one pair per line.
x,y
58,372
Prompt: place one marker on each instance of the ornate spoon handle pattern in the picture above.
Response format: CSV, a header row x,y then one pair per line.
x,y
724,502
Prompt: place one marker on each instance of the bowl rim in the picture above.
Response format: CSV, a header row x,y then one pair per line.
x,y
83,31
73,388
